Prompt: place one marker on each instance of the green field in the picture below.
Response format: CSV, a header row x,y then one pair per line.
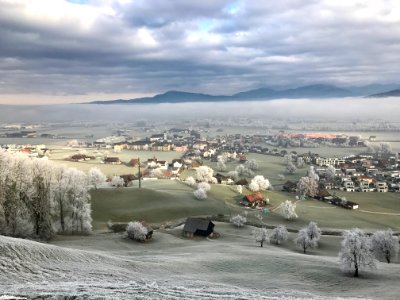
x,y
165,200
157,202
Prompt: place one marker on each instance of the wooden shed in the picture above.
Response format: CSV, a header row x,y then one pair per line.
x,y
198,226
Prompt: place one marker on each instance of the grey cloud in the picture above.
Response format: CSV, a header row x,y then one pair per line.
x,y
198,46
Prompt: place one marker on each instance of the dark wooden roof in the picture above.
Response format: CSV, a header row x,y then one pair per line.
x,y
193,224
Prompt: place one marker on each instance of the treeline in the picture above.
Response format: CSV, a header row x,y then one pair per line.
x,y
39,199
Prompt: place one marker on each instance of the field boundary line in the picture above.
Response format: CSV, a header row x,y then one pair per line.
x,y
379,213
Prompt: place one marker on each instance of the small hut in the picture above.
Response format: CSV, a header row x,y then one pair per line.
x,y
198,226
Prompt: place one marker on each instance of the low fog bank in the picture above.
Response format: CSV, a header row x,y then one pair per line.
x,y
290,109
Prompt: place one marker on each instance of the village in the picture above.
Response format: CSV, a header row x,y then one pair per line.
x,y
376,169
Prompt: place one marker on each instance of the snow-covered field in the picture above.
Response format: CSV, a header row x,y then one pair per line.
x,y
108,266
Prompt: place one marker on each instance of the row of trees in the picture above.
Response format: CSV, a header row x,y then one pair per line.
x,y
307,237
39,198
358,251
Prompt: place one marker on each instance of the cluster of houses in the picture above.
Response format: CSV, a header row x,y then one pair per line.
x,y
361,173
28,149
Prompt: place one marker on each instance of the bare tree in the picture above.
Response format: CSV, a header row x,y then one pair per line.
x,y
356,252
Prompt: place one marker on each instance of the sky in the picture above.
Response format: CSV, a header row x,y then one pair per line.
x,y
58,51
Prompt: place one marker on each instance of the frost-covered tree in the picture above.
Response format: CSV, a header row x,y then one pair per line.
x,y
259,183
300,162
238,220
288,210
290,168
204,186
278,235
356,252
288,158
312,174
136,231
313,231
331,172
261,235
39,198
239,189
190,181
221,166
251,164
303,240
96,178
385,245
205,173
307,186
234,175
200,194
244,171
117,181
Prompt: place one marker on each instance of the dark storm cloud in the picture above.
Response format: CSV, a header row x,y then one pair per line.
x,y
213,46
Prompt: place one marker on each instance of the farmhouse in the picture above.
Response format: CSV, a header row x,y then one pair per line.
x,y
253,200
198,226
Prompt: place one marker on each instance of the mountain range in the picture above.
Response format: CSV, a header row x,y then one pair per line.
x,y
309,91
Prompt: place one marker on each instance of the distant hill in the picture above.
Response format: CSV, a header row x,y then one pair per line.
x,y
393,93
319,91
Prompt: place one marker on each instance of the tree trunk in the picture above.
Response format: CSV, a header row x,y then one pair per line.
x,y
356,271
387,257
262,243
355,265
304,249
62,216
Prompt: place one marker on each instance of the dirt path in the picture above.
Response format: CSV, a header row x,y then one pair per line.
x,y
379,213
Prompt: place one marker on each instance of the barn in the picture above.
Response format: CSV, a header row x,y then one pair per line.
x,y
198,226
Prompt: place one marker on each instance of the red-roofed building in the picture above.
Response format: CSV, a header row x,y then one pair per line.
x,y
253,200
